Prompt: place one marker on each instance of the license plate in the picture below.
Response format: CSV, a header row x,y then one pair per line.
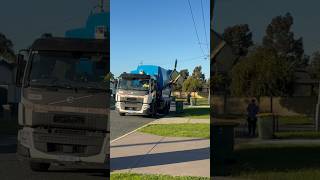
x,y
130,111
68,158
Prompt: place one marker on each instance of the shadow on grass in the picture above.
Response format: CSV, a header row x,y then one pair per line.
x,y
276,158
196,111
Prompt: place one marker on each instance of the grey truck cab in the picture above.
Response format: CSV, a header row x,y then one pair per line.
x,y
64,109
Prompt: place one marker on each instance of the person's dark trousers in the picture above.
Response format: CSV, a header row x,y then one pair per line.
x,y
252,124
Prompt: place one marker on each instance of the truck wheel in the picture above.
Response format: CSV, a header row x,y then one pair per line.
x,y
153,111
35,166
122,114
167,110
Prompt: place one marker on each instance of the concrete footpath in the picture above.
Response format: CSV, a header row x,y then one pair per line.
x,y
152,154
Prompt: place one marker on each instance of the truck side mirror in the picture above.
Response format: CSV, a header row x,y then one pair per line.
x,y
20,70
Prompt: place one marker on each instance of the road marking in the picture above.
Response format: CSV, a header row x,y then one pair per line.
x,y
131,132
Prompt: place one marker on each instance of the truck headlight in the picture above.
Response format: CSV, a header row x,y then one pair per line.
x,y
24,137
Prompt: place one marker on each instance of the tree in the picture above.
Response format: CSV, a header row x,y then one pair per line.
x,y
262,73
195,82
184,74
280,38
6,48
197,74
191,85
239,38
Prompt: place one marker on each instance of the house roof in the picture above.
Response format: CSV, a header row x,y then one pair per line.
x,y
303,77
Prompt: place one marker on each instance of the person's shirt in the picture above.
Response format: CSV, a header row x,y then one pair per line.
x,y
252,110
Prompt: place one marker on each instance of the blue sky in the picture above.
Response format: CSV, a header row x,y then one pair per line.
x,y
157,32
259,13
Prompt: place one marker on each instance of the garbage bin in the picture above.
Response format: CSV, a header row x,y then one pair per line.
x,y
222,146
193,101
266,126
179,107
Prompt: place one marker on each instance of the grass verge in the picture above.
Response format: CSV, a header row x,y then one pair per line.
x,y
295,120
283,162
298,135
178,130
196,113
133,176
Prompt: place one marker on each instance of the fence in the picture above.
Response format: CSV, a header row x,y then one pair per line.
x,y
284,106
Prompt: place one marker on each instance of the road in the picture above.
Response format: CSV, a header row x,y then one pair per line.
x,y
11,168
121,125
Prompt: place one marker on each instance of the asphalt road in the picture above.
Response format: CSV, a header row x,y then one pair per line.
x,y
11,168
120,125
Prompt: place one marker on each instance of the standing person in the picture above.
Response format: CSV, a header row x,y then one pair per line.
x,y
252,111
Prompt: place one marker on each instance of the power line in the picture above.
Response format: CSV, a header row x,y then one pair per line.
x,y
204,25
195,27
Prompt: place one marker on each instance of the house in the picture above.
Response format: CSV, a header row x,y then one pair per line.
x,y
304,84
222,58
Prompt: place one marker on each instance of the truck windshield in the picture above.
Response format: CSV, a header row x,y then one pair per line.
x,y
134,84
68,70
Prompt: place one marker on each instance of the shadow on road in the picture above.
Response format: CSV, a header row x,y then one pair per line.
x,y
89,172
146,160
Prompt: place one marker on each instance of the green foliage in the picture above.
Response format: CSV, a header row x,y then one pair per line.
x,y
197,74
195,82
280,38
6,48
239,37
191,85
262,73
185,74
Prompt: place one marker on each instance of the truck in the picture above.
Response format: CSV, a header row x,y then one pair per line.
x,y
64,108
145,91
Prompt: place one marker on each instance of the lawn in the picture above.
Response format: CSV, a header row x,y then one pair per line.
x,y
196,113
132,176
199,101
178,130
295,120
298,135
283,162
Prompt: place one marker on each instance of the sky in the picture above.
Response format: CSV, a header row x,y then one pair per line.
x,y
24,21
156,32
259,13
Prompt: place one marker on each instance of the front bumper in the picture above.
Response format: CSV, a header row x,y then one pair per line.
x,y
26,151
144,110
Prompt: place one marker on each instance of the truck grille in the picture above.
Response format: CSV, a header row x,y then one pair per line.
x,y
65,141
131,99
68,119
71,120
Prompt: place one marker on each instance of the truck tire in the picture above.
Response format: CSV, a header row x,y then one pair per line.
x,y
167,109
122,114
36,166
153,112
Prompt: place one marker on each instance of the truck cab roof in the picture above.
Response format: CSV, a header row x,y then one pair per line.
x,y
71,45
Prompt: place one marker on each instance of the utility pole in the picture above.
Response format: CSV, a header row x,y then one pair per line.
x,y
317,118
